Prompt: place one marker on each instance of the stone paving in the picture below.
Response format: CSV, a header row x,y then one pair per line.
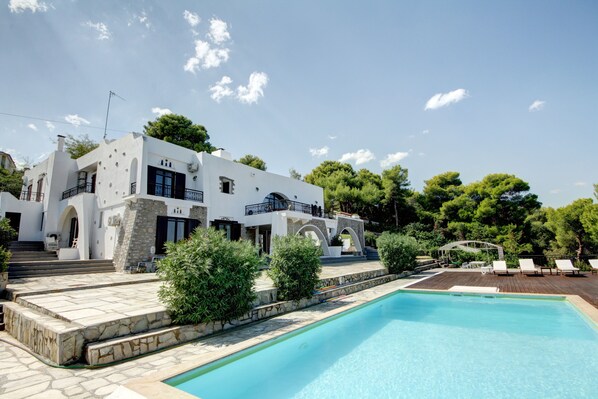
x,y
23,376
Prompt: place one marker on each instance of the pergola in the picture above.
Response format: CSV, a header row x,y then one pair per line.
x,y
470,246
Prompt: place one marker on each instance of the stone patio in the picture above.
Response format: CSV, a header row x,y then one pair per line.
x,y
23,376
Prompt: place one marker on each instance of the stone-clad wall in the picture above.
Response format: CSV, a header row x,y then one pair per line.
x,y
294,227
137,234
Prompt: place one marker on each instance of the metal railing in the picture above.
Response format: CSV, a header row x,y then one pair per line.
x,y
168,191
81,188
286,205
31,196
133,189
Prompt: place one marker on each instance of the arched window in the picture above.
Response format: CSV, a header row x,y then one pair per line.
x,y
276,201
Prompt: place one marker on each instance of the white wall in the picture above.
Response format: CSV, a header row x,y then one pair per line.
x,y
31,214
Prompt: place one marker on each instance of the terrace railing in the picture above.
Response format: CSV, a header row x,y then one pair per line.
x,y
169,191
31,196
267,207
81,188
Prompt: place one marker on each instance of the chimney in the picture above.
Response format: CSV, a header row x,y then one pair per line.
x,y
60,143
222,153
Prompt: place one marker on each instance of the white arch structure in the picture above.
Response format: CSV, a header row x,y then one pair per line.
x,y
471,246
319,234
354,237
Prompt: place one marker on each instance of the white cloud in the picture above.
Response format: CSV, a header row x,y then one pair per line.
x,y
440,100
580,183
332,137
392,159
142,18
161,111
221,89
555,191
254,90
101,28
426,132
76,120
422,154
218,31
32,126
361,156
206,57
536,106
18,6
192,18
50,126
319,152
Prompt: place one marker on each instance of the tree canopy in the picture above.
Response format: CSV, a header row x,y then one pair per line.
x,y
179,130
11,182
79,146
253,161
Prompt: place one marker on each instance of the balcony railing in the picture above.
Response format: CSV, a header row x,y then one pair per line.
x,y
81,188
168,191
267,207
31,196
133,188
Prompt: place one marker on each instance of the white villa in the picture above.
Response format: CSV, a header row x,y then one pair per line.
x,y
125,199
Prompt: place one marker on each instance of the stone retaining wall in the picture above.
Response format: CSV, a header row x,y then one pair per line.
x,y
119,349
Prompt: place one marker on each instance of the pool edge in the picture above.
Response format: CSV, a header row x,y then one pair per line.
x,y
154,387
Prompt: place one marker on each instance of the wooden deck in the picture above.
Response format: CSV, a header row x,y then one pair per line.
x,y
586,285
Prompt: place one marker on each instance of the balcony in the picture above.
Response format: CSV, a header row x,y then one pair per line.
x,y
286,205
81,188
169,191
31,196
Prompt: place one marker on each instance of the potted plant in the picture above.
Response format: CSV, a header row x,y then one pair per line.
x,y
336,246
4,258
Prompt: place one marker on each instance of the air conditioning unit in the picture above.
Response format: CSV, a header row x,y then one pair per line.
x,y
192,167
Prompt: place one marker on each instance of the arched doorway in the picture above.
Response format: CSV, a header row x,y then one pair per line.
x,y
69,227
316,234
351,241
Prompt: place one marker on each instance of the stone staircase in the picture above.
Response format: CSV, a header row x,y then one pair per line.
x,y
371,253
345,259
59,268
62,340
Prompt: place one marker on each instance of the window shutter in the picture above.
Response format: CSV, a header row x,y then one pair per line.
x,y
179,186
192,225
235,232
151,182
161,230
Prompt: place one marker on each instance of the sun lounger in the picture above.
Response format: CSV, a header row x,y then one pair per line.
x,y
499,266
565,265
527,266
594,264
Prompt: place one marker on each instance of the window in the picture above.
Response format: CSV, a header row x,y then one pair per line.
x,y
101,218
165,183
232,229
226,185
171,229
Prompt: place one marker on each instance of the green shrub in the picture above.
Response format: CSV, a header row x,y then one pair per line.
x,y
294,266
208,278
4,258
397,252
370,238
336,241
7,233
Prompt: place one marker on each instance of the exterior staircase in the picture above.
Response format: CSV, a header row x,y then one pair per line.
x,y
328,261
30,260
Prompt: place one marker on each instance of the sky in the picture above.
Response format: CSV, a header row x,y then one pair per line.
x,y
476,87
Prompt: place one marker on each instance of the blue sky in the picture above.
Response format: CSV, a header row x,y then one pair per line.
x,y
476,87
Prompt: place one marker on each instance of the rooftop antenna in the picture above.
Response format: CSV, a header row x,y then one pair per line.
x,y
111,93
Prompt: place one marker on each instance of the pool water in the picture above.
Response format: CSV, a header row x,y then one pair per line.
x,y
415,345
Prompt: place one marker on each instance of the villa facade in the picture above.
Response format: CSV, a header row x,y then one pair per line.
x,y
129,196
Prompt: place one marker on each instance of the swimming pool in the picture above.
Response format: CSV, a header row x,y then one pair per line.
x,y
417,345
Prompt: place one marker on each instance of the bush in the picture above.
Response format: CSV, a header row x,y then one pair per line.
x,y
4,258
370,238
397,252
294,266
336,241
208,278
7,233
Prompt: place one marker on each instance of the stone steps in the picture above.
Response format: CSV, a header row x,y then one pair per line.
x,y
345,259
20,246
27,256
108,351
58,268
